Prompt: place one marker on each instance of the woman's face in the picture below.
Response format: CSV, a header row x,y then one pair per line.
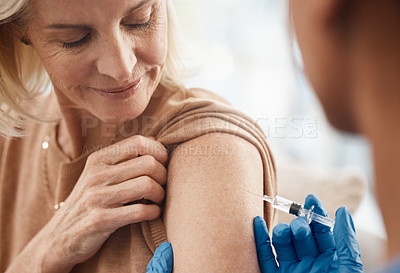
x,y
104,56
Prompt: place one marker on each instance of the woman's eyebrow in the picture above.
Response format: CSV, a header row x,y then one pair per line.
x,y
64,26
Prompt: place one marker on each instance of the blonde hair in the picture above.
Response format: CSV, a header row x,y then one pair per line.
x,y
174,67
23,77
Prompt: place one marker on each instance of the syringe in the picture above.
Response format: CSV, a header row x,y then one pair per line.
x,y
293,208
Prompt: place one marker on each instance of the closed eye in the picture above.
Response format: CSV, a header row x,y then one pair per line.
x,y
78,43
140,26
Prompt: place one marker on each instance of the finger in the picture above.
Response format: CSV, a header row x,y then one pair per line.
x,y
141,166
132,147
122,216
144,165
323,234
143,187
266,257
162,261
303,239
348,251
282,241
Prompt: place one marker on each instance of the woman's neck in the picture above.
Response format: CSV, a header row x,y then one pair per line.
x,y
79,131
77,134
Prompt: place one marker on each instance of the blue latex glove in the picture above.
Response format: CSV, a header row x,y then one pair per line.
x,y
309,248
162,261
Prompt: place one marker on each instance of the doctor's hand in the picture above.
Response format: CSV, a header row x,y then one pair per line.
x,y
162,261
309,248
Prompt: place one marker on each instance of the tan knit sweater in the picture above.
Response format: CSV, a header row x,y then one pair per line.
x,y
34,179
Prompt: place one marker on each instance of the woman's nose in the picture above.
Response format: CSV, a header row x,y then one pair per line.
x,y
116,58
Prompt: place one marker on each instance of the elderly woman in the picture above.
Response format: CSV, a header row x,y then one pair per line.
x,y
83,166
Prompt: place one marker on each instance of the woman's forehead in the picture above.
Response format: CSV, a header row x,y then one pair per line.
x,y
83,11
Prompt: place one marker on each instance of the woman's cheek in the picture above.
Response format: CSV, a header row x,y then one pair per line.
x,y
68,72
156,45
156,53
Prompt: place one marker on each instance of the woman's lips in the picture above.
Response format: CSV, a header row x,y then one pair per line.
x,y
121,92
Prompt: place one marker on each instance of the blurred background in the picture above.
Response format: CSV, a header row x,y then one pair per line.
x,y
243,50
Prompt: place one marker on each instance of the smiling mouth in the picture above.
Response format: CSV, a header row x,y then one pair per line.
x,y
133,85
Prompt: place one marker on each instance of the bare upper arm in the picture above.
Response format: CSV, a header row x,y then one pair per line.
x,y
209,213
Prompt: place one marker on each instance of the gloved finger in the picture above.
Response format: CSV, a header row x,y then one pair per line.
x,y
303,239
282,241
348,251
323,234
266,257
162,261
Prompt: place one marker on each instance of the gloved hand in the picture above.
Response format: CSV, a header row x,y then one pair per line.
x,y
162,261
309,248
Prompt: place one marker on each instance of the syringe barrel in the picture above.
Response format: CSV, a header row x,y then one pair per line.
x,y
282,204
310,216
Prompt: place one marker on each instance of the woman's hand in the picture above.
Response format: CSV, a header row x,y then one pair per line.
x,y
104,199
309,248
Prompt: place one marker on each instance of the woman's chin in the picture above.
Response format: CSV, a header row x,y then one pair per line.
x,y
111,112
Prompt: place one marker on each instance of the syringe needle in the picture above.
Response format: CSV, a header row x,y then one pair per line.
x,y
255,194
266,198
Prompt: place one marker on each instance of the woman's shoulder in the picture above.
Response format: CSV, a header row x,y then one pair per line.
x,y
195,111
168,106
181,96
203,94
